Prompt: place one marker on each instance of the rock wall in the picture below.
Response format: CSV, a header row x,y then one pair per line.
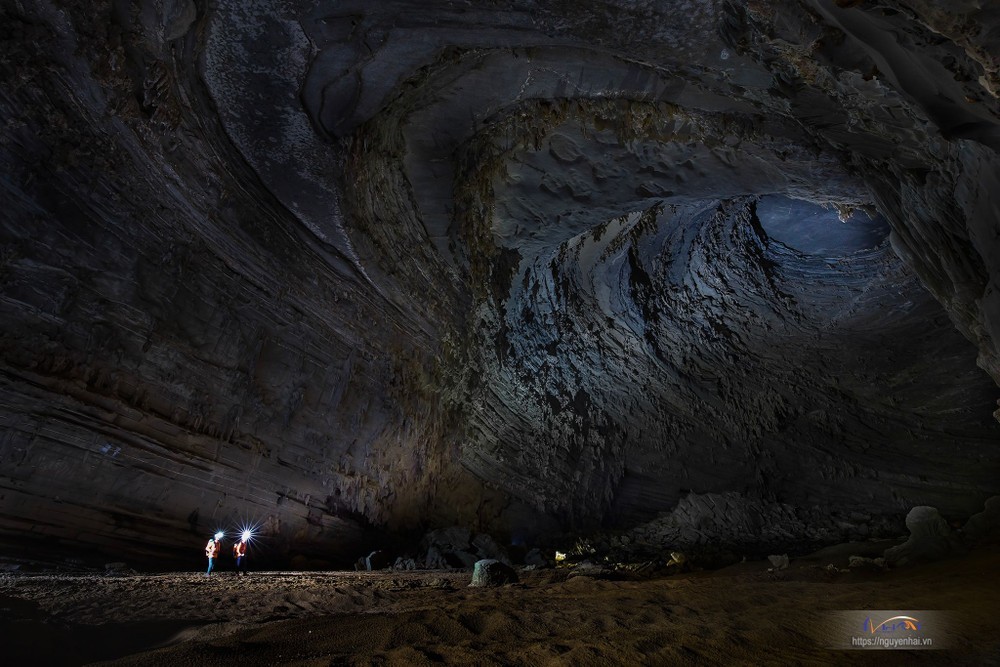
x,y
333,269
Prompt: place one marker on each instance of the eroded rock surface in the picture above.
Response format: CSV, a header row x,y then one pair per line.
x,y
523,267
931,538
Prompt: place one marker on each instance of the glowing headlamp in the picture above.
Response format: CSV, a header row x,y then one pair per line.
x,y
219,535
246,535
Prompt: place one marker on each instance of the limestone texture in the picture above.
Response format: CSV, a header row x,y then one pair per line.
x,y
931,538
985,525
708,272
492,573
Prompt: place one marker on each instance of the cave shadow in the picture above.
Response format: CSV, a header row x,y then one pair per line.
x,y
31,637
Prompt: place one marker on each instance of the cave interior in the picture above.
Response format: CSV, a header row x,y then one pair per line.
x,y
610,277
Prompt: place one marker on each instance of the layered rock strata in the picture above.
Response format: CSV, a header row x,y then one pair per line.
x,y
526,267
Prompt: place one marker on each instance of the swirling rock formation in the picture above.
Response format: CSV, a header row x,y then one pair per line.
x,y
521,266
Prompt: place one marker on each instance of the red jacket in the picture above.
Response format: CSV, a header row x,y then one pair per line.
x,y
239,549
212,548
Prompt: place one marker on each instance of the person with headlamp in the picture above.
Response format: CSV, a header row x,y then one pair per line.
x,y
212,551
240,552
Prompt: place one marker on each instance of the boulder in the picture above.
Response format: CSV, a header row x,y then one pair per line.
x,y
930,539
404,564
491,572
485,546
986,524
779,562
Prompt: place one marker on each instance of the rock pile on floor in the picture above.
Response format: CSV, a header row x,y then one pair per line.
x,y
716,529
458,547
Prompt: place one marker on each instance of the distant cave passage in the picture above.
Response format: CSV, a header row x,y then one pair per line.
x,y
815,230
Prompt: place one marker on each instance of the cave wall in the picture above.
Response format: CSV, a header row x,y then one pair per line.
x,y
338,267
180,354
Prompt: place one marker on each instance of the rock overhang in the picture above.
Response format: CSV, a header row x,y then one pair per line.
x,y
529,239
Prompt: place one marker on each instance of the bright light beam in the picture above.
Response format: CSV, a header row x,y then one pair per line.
x,y
248,532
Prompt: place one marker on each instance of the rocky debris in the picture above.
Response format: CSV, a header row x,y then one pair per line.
x,y
404,564
986,524
117,569
538,558
718,529
598,570
639,570
671,564
779,562
710,524
931,538
865,562
675,563
490,572
459,547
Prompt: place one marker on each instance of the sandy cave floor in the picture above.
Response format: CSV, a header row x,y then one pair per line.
x,y
743,614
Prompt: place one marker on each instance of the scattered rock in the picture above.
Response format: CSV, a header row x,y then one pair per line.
x,y
457,547
588,568
864,561
640,570
779,562
930,539
490,572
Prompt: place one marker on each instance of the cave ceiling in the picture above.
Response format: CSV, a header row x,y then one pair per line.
x,y
334,267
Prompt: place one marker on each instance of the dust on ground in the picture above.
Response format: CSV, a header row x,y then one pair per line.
x,y
746,614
